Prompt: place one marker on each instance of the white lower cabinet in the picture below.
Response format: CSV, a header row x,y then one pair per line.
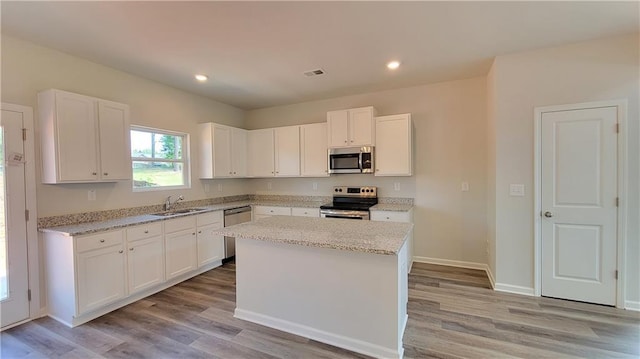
x,y
305,212
268,211
145,257
101,277
181,248
210,246
398,216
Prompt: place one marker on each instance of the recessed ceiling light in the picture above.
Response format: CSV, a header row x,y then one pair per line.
x,y
393,65
201,78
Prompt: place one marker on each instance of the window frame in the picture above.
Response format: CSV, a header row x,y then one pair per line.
x,y
185,161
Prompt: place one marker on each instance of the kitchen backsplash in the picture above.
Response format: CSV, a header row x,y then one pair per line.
x,y
76,218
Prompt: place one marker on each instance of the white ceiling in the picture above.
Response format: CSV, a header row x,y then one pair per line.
x,y
256,52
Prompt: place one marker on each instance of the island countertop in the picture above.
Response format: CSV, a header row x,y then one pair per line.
x,y
342,234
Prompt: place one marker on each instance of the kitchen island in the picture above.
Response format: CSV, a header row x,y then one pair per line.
x,y
338,281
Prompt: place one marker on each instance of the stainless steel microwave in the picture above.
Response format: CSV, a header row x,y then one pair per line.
x,y
351,160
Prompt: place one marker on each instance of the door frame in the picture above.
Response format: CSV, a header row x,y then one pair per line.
x,y
33,254
621,234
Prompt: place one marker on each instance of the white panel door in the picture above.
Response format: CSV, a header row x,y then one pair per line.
x,y
101,277
313,150
260,157
579,213
287,151
222,151
239,152
361,127
210,246
181,254
14,281
338,128
115,153
145,263
76,121
393,145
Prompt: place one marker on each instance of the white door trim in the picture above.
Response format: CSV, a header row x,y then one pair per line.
x,y
622,190
33,255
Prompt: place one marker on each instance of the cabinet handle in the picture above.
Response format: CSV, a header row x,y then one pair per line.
x,y
94,173
131,249
377,170
120,251
193,234
345,141
230,173
388,218
277,171
351,141
102,241
199,232
145,232
106,174
234,173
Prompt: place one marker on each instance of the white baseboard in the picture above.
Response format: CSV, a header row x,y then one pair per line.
x,y
459,264
515,289
320,335
450,263
631,305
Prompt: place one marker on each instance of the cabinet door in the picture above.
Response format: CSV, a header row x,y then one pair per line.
x,y
393,145
361,127
287,151
210,246
338,128
260,153
101,277
222,151
115,156
239,152
180,253
76,137
145,263
313,150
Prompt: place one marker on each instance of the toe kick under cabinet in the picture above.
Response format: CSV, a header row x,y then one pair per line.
x,y
90,275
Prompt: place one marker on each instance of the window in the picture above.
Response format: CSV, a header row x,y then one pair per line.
x,y
159,158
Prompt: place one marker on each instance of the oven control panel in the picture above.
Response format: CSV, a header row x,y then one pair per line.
x,y
341,191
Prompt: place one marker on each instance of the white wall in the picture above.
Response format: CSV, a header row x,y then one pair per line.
x,y
450,147
589,71
28,69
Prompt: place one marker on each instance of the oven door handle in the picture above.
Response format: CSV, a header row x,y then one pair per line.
x,y
345,214
360,161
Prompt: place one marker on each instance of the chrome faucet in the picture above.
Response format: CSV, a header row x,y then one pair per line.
x,y
168,205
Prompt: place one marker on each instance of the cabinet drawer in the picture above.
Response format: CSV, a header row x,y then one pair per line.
x,y
180,224
209,218
305,212
271,211
390,216
96,241
142,231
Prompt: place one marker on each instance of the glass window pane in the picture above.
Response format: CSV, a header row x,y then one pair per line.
x,y
168,147
141,144
157,174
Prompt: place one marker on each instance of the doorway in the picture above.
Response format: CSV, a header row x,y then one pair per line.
x,y
578,175
17,199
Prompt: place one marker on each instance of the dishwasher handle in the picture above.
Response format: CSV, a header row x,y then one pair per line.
x,y
237,210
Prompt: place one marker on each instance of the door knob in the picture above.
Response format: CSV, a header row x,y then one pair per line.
x,y
548,214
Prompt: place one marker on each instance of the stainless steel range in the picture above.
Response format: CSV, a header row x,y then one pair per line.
x,y
350,202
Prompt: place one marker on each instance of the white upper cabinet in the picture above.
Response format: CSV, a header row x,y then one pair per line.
x,y
352,127
287,151
274,152
260,147
83,139
313,150
222,151
394,145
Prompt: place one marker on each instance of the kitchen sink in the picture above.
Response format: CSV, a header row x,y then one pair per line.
x,y
178,211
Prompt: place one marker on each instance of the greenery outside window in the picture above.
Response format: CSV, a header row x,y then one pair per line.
x,y
159,159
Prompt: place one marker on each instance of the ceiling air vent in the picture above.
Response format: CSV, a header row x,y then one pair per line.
x,y
315,72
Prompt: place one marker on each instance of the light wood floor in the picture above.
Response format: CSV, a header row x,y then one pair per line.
x,y
452,314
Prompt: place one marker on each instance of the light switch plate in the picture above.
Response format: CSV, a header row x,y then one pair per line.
x,y
516,190
206,188
269,186
219,187
91,195
464,187
315,186
396,186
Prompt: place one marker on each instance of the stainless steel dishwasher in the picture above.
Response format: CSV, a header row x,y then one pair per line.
x,y
231,217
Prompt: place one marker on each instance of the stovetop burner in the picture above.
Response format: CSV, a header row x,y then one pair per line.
x,y
353,198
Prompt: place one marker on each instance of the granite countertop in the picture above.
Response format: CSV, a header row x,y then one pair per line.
x,y
100,226
343,234
393,207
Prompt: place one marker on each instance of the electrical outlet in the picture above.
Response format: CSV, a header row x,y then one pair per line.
x,y
269,186
91,195
219,187
315,186
396,186
206,188
465,187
